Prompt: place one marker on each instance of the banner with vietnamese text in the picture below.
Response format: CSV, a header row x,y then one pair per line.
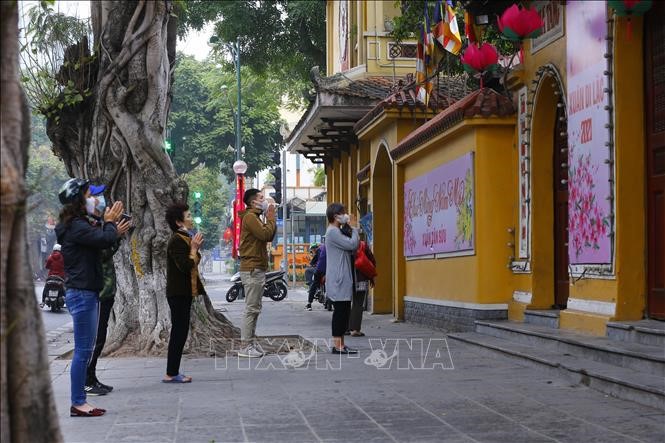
x,y
439,210
589,190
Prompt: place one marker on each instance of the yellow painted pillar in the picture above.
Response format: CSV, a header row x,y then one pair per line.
x,y
630,170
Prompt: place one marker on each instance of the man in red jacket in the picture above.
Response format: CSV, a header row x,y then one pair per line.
x,y
55,263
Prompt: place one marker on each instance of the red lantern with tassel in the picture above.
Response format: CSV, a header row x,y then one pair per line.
x,y
480,59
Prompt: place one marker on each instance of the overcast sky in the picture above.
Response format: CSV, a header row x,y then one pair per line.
x,y
195,44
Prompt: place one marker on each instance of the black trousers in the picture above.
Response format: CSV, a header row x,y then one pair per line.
x,y
340,317
180,310
105,308
313,287
356,316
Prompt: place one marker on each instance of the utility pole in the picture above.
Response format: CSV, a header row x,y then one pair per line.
x,y
284,199
238,142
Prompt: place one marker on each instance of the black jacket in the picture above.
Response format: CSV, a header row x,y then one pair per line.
x,y
179,268
82,242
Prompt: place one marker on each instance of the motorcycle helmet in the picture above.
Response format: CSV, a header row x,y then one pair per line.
x,y
313,246
72,190
56,247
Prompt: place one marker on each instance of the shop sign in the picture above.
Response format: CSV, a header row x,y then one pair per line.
x,y
439,210
552,14
589,191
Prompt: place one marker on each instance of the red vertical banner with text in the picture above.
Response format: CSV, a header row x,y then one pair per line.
x,y
238,206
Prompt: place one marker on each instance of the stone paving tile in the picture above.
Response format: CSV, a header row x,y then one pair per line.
x,y
485,398
144,432
218,434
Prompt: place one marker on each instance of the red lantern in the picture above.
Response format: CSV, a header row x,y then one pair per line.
x,y
480,59
228,235
518,23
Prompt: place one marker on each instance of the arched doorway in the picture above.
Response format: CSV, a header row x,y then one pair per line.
x,y
382,219
549,185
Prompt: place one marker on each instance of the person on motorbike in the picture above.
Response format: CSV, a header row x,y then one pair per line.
x,y
55,263
83,238
310,274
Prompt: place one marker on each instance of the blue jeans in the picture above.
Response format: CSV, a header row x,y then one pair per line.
x,y
84,307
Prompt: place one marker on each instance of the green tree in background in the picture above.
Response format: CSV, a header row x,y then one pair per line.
x,y
319,176
215,195
202,129
45,174
281,39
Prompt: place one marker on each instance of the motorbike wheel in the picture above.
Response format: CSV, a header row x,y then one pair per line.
x,y
233,293
278,291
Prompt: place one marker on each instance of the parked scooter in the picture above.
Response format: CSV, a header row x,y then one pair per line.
x,y
53,294
275,287
320,294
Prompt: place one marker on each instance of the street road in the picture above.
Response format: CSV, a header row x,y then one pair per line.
x,y
52,320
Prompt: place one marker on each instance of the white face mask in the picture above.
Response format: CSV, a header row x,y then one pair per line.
x,y
263,205
342,218
101,204
90,204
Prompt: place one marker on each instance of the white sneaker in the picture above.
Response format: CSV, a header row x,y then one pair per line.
x,y
250,352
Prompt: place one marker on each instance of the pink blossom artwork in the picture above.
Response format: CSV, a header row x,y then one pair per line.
x,y
589,187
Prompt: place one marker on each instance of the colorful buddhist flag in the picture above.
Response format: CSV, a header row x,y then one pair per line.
x,y
448,36
425,49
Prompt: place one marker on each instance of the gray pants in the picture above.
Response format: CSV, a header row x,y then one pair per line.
x,y
357,308
253,283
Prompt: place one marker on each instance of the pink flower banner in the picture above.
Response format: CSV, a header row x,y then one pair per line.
x,y
588,173
439,211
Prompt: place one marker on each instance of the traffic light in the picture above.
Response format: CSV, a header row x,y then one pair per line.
x,y
197,212
277,158
277,195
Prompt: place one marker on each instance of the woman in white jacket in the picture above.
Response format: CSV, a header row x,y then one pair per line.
x,y
339,272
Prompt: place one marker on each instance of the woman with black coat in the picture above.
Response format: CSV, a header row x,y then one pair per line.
x,y
82,238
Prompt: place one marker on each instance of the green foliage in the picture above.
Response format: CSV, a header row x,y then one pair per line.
x,y
54,72
319,176
201,122
45,174
215,194
280,39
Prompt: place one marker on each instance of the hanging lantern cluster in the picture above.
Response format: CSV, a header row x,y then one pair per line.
x,y
630,8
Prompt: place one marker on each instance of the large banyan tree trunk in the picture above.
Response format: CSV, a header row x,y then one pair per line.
x,y
116,136
27,407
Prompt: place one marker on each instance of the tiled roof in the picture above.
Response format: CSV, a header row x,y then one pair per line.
x,y
369,87
364,172
450,89
484,102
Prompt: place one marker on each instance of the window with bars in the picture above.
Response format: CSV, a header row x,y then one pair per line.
x,y
402,50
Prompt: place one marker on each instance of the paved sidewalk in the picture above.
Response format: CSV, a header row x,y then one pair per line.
x,y
465,396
